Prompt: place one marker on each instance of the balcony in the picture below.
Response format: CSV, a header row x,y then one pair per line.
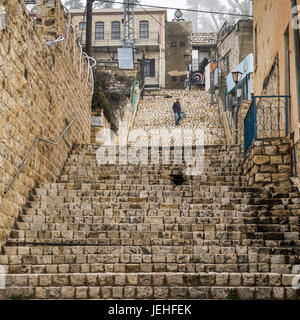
x,y
267,117
153,40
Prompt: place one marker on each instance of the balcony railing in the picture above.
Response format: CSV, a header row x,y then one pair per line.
x,y
267,117
107,41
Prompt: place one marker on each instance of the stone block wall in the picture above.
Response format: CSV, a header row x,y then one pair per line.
x,y
116,79
268,163
40,92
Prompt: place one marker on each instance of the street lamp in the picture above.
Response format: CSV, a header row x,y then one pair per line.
x,y
236,75
212,89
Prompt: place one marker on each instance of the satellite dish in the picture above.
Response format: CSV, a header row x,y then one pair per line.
x,y
178,15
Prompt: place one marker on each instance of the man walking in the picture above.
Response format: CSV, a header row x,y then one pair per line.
x,y
177,111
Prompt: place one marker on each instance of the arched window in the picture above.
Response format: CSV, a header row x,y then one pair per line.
x,y
99,31
115,30
82,25
144,29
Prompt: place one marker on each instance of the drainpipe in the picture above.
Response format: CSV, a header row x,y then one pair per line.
x,y
297,55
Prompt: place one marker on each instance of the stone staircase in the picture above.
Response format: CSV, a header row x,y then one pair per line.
x,y
150,232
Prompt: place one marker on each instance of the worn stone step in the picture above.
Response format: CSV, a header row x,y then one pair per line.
x,y
134,263
156,224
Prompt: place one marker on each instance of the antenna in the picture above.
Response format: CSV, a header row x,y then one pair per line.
x,y
129,40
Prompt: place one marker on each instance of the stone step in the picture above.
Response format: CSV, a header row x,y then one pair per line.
x,y
274,190
165,200
152,224
98,235
144,263
160,285
223,221
255,253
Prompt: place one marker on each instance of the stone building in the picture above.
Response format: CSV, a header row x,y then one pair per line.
x,y
276,64
178,53
202,44
235,43
234,53
107,35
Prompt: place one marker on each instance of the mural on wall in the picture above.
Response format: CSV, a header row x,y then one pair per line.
x,y
198,77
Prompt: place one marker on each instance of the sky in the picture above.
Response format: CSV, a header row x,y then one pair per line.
x,y
167,3
164,3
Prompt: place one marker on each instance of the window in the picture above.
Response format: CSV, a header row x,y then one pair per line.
x,y
149,68
99,31
182,78
227,63
173,44
174,78
144,30
82,25
115,30
182,44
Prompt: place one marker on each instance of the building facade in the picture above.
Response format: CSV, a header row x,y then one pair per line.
x,y
277,65
203,45
107,36
235,43
178,53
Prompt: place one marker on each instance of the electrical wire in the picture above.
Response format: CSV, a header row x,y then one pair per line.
x,y
151,15
189,10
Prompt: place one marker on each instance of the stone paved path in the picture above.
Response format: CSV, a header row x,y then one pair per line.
x,y
155,112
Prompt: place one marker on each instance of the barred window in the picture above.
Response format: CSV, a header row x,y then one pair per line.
x,y
144,29
149,68
82,25
115,30
99,31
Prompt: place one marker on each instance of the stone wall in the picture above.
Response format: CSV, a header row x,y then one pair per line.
x,y
117,80
41,90
268,163
275,68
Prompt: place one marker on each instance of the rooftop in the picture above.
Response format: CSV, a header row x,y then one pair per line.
x,y
202,38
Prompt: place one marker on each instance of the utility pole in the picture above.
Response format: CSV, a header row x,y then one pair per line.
x,y
88,31
211,41
142,66
129,40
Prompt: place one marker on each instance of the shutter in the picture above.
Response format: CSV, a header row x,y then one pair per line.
x,y
152,68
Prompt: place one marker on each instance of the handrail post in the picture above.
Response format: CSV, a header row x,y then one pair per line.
x,y
286,116
255,118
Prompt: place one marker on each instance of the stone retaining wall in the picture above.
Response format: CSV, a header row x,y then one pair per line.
x,y
41,90
268,163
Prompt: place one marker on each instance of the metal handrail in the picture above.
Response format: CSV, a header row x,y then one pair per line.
x,y
36,140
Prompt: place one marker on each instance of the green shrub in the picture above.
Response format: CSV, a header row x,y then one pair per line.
x,y
100,102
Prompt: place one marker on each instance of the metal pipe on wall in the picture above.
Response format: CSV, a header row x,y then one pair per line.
x,y
296,53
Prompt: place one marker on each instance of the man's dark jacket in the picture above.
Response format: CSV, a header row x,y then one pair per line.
x,y
176,107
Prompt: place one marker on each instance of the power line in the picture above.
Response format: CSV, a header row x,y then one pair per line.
x,y
151,15
183,9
